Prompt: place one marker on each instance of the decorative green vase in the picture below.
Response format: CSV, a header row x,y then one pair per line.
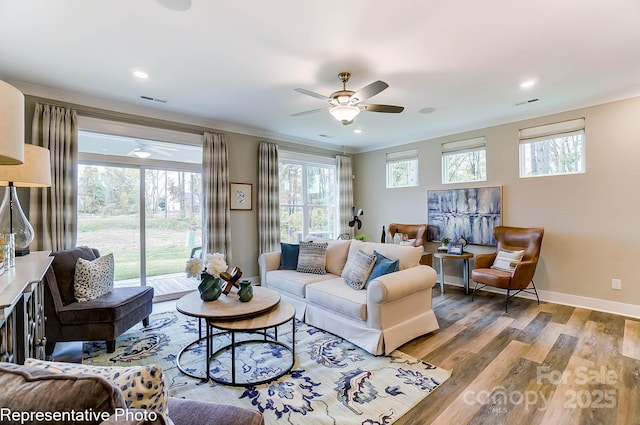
x,y
210,287
245,293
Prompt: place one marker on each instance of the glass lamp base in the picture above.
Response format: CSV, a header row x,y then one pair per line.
x,y
22,252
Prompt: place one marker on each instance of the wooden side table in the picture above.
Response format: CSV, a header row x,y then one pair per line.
x,y
465,256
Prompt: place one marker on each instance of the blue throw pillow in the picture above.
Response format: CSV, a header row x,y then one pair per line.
x,y
382,266
289,256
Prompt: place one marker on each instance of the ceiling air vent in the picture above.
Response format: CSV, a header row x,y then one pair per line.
x,y
527,101
326,136
153,99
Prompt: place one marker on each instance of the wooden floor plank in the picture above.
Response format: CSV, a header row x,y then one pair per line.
x,y
631,341
542,345
469,401
503,354
576,322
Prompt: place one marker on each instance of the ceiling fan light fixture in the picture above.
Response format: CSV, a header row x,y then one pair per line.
x,y
344,113
142,154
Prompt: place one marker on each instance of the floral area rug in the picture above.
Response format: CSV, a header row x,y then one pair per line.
x,y
332,381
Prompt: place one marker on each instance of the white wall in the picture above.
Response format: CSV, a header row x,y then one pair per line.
x,y
592,232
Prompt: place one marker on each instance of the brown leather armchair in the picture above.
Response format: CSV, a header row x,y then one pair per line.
x,y
414,231
511,239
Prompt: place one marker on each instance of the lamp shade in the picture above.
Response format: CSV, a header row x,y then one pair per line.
x,y
344,113
34,172
11,125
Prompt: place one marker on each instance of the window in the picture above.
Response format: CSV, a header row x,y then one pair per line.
x,y
464,161
552,149
402,169
139,197
308,197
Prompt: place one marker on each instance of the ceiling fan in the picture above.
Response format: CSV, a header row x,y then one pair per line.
x,y
144,150
344,105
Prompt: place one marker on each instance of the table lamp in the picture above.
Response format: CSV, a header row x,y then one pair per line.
x,y
11,125
34,172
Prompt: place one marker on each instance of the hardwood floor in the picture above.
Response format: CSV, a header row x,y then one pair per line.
x,y
547,364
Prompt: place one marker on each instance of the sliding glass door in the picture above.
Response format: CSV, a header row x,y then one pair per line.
x,y
140,200
173,227
109,217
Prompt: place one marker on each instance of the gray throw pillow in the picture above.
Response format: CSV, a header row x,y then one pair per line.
x,y
358,268
312,258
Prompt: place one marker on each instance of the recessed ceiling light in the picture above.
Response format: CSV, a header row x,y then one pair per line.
x,y
357,131
141,74
527,84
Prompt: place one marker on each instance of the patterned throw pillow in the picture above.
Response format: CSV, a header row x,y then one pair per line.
x,y
93,278
143,387
358,268
382,266
312,258
507,260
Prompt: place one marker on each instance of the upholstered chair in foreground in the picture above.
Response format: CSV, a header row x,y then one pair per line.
x,y
514,263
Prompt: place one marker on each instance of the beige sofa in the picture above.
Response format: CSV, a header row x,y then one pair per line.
x,y
392,310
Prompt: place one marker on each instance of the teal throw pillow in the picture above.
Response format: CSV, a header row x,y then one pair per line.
x,y
289,256
382,266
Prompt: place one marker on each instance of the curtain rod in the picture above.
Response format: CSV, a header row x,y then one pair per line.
x,y
92,112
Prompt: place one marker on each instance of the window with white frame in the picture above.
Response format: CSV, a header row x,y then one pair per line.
x,y
553,149
139,197
402,169
308,196
464,161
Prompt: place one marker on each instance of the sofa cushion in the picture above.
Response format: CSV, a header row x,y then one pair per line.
x,y
382,266
293,282
337,252
192,412
335,295
26,388
409,256
289,256
143,387
93,278
358,268
108,308
64,268
312,257
507,260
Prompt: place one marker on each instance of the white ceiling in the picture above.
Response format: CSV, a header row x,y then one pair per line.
x,y
236,63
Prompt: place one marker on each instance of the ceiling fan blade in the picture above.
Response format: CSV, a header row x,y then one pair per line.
x,y
297,114
369,91
312,94
382,108
160,151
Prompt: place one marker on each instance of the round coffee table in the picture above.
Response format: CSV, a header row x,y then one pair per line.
x,y
228,314
259,324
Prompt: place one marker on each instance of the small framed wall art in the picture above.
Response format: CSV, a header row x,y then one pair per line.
x,y
240,196
455,248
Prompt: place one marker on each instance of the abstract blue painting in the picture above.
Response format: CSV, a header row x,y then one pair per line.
x,y
469,213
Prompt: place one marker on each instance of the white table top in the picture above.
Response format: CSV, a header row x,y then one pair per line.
x,y
17,280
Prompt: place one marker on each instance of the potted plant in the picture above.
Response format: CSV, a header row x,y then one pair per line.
x,y
444,241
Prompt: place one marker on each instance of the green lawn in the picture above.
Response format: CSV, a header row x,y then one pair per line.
x,y
169,242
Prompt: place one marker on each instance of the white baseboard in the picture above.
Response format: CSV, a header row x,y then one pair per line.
x,y
613,307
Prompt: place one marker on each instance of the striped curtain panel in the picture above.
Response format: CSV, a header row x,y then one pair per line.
x,y
216,229
53,211
268,198
345,194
